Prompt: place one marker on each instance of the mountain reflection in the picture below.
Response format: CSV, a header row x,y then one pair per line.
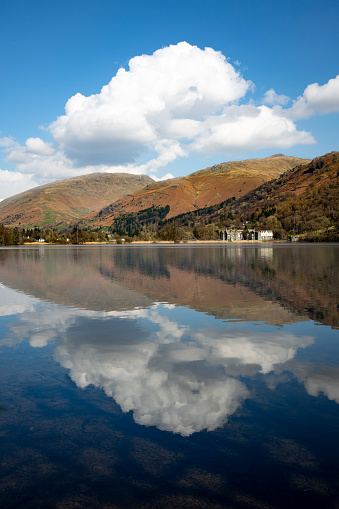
x,y
261,283
140,324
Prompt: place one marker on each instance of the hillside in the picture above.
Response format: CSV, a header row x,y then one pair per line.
x,y
67,200
302,201
316,173
200,189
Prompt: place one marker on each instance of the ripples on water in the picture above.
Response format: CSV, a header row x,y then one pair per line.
x,y
169,376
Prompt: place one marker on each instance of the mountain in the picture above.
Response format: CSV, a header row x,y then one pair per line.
x,y
304,200
96,199
200,189
304,178
67,200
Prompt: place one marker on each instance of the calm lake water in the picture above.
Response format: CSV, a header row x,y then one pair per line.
x,y
169,377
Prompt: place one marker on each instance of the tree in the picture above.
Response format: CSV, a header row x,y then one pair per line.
x,y
171,231
5,236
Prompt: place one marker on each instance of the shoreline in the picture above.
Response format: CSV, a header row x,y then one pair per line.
x,y
172,243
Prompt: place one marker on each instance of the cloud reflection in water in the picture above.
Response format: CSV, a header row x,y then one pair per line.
x,y
175,378
179,378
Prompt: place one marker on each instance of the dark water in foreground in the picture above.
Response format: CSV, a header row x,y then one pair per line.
x,y
155,377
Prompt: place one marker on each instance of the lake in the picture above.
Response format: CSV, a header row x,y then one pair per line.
x,y
202,376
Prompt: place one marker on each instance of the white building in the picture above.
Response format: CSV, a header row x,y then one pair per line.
x,y
231,235
262,235
235,235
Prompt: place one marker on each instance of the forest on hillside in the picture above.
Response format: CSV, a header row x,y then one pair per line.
x,y
303,203
312,216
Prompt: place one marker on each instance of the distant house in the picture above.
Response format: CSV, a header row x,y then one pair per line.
x,y
262,235
231,235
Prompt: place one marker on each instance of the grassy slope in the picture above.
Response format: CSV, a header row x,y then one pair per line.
x,y
201,189
68,200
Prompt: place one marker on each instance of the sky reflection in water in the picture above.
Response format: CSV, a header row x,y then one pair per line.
x,y
182,337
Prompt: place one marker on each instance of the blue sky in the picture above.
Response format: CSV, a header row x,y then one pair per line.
x,y
266,85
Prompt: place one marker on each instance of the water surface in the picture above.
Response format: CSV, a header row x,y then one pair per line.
x,y
169,376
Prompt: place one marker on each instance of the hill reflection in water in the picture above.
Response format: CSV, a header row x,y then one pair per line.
x,y
274,284
186,339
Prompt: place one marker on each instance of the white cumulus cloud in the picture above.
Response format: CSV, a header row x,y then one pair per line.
x,y
247,127
38,146
317,98
10,180
271,98
164,96
164,106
